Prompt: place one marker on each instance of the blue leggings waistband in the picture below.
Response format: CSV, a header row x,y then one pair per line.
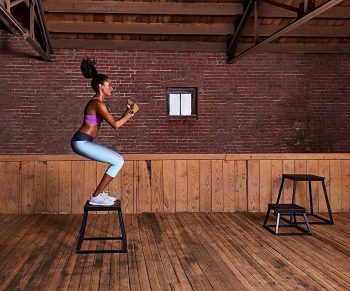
x,y
82,136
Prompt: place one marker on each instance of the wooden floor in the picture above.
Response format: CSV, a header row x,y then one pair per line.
x,y
199,251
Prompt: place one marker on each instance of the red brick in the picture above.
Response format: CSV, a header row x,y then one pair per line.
x,y
262,103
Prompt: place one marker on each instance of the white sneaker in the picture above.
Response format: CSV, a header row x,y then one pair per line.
x,y
100,200
106,195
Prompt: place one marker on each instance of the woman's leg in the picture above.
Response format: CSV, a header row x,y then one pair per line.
x,y
100,153
106,179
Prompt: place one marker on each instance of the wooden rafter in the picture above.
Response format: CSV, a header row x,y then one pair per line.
x,y
141,28
29,35
138,45
300,48
157,8
282,5
303,31
248,10
231,54
268,11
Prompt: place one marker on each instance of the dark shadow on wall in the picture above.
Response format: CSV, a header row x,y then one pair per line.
x,y
21,50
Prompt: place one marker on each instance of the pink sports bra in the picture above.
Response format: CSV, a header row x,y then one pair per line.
x,y
92,118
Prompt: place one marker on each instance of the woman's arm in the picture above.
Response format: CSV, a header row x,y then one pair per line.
x,y
103,111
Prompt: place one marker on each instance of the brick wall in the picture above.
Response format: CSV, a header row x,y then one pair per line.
x,y
262,103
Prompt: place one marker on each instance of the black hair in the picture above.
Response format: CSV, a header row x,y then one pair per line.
x,y
88,69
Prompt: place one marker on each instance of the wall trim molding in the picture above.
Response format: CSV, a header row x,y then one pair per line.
x,y
199,156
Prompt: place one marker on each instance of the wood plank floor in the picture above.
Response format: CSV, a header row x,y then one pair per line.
x,y
187,251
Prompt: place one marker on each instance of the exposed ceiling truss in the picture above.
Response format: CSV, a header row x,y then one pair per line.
x,y
31,25
131,31
237,28
305,12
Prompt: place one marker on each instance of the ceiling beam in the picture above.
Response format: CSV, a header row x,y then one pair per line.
x,y
286,29
299,48
269,11
290,48
302,31
160,8
141,28
282,5
137,45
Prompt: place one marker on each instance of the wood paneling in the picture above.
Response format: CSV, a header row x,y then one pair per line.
x,y
78,185
127,187
205,185
345,186
230,203
3,191
217,186
65,187
157,186
276,176
172,183
335,185
265,184
144,187
253,185
13,191
181,185
53,186
27,186
193,193
241,185
40,188
169,185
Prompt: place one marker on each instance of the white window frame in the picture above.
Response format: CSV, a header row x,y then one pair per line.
x,y
177,108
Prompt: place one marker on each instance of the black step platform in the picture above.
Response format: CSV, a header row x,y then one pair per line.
x,y
115,207
292,210
309,179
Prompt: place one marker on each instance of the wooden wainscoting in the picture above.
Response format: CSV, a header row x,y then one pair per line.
x,y
170,182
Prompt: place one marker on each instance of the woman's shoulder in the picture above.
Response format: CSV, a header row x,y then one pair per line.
x,y
92,105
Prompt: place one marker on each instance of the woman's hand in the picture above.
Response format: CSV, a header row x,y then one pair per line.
x,y
129,103
134,107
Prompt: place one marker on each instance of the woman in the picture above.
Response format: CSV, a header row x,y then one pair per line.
x,y
95,112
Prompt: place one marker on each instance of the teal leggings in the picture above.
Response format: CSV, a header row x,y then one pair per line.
x,y
100,153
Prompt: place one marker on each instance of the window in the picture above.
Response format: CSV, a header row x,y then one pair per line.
x,y
182,101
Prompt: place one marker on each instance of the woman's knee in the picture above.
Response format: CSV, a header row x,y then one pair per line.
x,y
118,161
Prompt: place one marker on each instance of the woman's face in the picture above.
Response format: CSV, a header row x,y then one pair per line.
x,y
107,88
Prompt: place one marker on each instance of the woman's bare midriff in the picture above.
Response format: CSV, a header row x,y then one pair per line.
x,y
89,129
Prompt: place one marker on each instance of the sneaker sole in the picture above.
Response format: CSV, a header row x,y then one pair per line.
x,y
99,204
